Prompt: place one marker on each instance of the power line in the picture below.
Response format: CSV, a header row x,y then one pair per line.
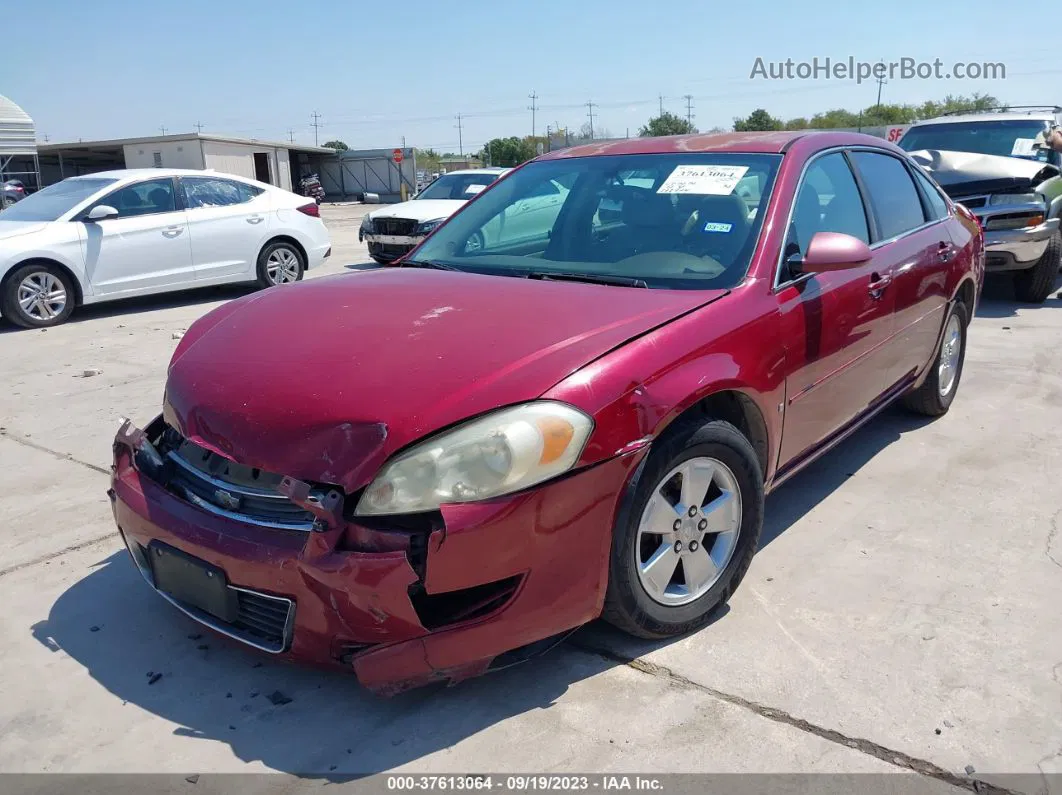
x,y
532,107
460,137
316,127
689,108
590,114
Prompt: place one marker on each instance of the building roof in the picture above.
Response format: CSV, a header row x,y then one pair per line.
x,y
119,142
17,136
140,173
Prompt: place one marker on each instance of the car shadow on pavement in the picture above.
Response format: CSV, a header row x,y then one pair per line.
x,y
997,298
214,689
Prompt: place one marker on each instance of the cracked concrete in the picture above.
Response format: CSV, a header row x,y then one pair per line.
x,y
907,585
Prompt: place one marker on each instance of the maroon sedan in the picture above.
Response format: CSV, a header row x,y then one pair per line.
x,y
568,402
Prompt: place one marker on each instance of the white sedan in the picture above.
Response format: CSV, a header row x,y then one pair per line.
x,y
119,234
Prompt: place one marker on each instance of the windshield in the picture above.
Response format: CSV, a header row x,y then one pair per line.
x,y
680,221
457,186
53,201
1010,138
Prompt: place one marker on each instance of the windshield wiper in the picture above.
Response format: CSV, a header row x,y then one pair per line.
x,y
592,278
424,263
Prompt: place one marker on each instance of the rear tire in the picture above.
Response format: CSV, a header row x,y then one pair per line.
x,y
280,262
712,452
937,392
1035,284
50,284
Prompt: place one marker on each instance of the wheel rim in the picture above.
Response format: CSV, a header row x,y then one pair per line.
x,y
41,296
688,531
282,266
950,350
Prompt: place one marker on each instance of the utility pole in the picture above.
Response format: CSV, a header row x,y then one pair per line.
x,y
291,135
316,127
46,139
549,139
881,81
532,107
163,130
661,105
460,138
590,114
689,108
198,127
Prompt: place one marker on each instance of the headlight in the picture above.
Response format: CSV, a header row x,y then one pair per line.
x,y
1014,198
366,223
503,452
427,226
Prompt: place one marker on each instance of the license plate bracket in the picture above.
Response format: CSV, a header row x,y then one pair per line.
x,y
192,581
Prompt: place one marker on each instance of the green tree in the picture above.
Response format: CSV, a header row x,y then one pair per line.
x,y
339,146
834,119
759,119
958,104
799,123
507,152
427,159
666,124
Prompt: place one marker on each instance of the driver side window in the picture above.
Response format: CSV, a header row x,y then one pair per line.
x,y
828,201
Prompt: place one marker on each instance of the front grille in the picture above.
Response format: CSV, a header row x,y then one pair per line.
x,y
394,226
263,618
973,202
229,489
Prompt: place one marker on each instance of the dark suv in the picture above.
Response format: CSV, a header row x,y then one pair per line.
x,y
998,166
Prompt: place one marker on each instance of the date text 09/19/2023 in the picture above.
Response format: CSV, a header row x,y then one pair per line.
x,y
522,783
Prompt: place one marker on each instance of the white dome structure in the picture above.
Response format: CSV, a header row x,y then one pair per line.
x,y
17,135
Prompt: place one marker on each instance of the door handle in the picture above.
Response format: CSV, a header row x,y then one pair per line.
x,y
172,231
877,285
255,219
944,251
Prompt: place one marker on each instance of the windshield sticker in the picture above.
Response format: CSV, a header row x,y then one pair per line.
x,y
703,180
1023,147
474,188
714,226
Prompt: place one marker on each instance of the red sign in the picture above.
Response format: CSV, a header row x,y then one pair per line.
x,y
894,134
397,155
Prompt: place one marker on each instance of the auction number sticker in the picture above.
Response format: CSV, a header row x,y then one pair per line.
x,y
703,180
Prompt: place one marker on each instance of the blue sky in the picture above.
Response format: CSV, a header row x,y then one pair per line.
x,y
377,71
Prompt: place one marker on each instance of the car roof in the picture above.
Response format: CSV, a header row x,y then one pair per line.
x,y
743,142
1040,115
142,173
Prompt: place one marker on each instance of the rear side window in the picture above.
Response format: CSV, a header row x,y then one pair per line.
x,y
893,197
248,192
210,192
938,208
828,201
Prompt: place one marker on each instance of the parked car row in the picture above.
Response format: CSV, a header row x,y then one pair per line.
x,y
567,401
119,234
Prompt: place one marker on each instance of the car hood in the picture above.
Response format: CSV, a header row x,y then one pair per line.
x,y
969,173
323,380
420,209
10,229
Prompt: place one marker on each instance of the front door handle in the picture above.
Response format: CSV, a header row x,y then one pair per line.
x,y
172,231
255,219
878,283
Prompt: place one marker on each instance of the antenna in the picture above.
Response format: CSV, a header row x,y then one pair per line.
x,y
590,113
316,127
532,107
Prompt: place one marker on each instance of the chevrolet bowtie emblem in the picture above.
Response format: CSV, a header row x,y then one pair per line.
x,y
226,499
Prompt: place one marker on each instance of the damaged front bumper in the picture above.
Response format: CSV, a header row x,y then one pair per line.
x,y
405,601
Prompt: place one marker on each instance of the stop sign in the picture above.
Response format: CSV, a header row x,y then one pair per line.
x,y
397,155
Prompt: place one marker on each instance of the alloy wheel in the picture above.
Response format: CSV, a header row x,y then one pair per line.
x,y
950,351
282,266
688,531
41,296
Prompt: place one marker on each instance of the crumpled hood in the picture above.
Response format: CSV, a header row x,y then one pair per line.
x,y
968,173
9,229
420,209
324,379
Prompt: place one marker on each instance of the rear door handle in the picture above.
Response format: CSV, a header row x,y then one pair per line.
x,y
878,283
172,231
945,251
255,219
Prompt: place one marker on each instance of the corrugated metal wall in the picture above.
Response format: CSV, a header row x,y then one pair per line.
x,y
356,172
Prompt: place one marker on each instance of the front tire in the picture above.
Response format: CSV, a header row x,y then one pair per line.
x,y
280,262
937,392
38,295
691,532
1035,284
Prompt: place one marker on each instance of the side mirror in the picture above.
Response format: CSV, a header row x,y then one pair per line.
x,y
101,212
832,251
